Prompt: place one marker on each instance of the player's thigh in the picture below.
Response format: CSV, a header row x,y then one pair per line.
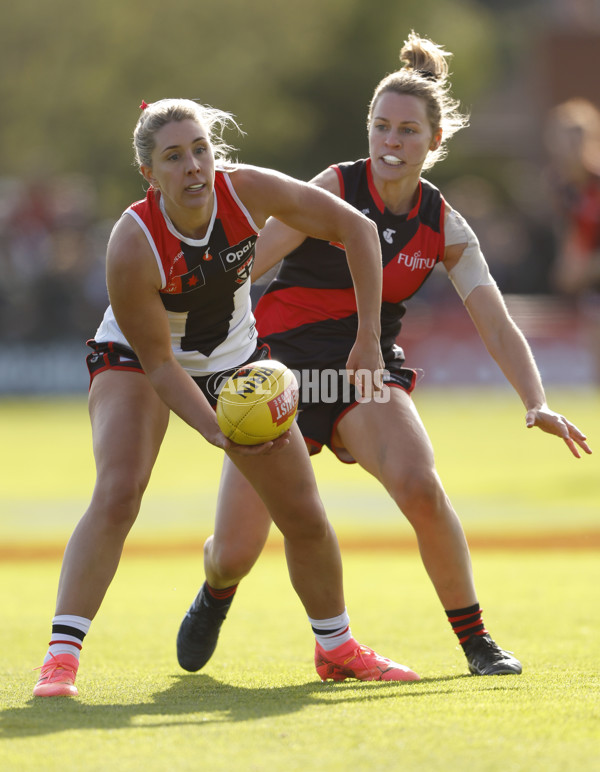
x,y
388,439
129,421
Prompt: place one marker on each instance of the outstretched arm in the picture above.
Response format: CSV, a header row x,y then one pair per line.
x,y
277,239
508,346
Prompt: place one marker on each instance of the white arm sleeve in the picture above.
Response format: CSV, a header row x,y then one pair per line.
x,y
471,270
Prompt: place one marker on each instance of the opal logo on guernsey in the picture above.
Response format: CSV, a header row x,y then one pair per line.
x,y
416,262
233,256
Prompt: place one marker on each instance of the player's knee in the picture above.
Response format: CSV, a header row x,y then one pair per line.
x,y
307,524
119,499
419,494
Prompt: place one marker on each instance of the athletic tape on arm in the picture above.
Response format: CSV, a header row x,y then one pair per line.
x,y
471,270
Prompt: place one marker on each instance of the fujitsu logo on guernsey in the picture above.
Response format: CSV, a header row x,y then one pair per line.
x,y
234,255
416,262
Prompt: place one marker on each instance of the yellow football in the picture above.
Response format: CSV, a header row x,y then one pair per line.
x,y
258,403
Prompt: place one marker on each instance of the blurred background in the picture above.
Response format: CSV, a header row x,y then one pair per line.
x,y
299,77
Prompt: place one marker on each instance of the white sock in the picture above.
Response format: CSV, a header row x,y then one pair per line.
x,y
68,632
333,632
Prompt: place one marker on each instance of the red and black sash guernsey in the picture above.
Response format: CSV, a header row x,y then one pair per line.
x,y
308,312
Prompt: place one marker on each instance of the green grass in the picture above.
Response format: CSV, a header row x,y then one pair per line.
x,y
500,476
259,705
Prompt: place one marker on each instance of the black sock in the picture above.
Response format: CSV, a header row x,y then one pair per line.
x,y
221,598
466,622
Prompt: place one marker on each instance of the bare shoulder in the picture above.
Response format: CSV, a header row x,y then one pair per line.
x,y
246,177
268,193
248,173
328,180
126,234
264,191
128,249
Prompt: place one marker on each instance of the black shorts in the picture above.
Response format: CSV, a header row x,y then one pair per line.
x,y
318,419
115,356
111,356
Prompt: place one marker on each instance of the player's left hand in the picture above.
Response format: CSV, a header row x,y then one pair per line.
x,y
554,423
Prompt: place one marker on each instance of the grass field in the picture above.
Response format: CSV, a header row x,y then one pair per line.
x,y
502,478
531,513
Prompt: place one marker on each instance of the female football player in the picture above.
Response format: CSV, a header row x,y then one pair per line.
x,y
308,317
178,273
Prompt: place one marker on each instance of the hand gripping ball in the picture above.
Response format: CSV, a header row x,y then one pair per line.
x,y
258,402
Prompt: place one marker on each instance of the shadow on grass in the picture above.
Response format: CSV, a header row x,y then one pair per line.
x,y
204,701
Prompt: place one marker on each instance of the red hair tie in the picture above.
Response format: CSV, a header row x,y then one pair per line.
x,y
144,105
